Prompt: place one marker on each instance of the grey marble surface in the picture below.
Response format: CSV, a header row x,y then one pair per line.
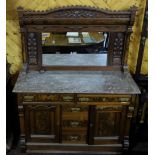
x,y
74,59
108,82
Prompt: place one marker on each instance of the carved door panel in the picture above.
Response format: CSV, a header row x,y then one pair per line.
x,y
109,124
42,123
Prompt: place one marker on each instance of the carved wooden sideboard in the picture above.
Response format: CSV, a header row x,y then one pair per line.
x,y
76,108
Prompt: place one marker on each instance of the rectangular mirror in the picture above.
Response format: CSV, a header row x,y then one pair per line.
x,y
75,48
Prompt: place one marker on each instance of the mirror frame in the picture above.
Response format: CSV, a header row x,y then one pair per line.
x,y
76,19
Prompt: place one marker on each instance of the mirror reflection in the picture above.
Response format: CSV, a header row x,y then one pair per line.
x,y
75,48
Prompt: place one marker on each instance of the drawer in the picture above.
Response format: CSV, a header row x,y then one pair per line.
x,y
28,98
81,116
75,137
47,97
40,98
103,98
74,109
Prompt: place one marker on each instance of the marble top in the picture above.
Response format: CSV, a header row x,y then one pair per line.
x,y
74,59
106,82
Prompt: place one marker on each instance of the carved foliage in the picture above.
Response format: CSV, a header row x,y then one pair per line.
x,y
75,14
32,48
118,48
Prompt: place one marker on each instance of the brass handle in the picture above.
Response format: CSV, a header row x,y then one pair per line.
x,y
28,98
131,108
129,115
75,109
103,99
67,98
74,124
124,99
73,138
124,103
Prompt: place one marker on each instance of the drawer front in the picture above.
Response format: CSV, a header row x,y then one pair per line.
x,y
66,98
72,98
74,113
47,97
81,116
79,138
103,98
74,109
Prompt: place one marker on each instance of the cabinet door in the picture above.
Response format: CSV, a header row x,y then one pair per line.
x,y
109,124
42,123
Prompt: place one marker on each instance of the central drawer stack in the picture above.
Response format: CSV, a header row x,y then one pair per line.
x,y
74,124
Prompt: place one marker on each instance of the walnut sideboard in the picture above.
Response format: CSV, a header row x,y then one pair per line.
x,y
76,96
67,111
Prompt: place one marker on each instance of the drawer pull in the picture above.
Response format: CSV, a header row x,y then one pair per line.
x,y
74,124
74,138
131,108
130,115
122,99
75,109
67,98
28,98
124,103
103,99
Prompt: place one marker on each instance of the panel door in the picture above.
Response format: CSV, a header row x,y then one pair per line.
x,y
42,123
110,123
